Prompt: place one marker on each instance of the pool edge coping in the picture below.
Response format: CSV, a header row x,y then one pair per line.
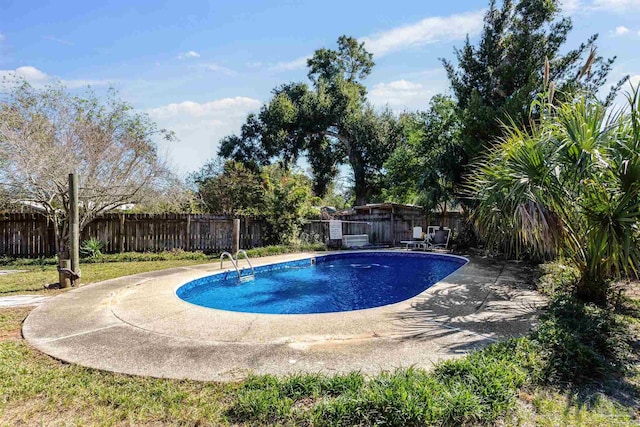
x,y
151,359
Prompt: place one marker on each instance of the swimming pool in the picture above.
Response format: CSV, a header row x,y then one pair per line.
x,y
324,284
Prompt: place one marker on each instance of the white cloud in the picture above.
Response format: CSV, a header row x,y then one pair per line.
x,y
31,74
401,94
429,30
290,65
571,6
190,54
200,126
219,68
39,78
57,40
2,37
617,5
612,6
621,30
212,108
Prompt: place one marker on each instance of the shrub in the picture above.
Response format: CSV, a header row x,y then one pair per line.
x,y
91,248
284,249
174,254
568,184
17,262
557,278
580,342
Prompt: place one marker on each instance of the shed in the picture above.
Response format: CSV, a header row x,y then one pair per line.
x,y
392,222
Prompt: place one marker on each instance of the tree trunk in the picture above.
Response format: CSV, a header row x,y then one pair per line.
x,y
61,234
360,188
592,288
361,191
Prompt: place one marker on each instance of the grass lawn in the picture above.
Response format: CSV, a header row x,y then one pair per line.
x,y
39,273
503,384
34,279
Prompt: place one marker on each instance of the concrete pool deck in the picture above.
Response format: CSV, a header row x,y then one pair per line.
x,y
137,325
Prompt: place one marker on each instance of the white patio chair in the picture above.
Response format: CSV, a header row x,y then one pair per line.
x,y
439,238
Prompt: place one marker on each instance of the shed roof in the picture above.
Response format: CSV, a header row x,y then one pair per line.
x,y
387,207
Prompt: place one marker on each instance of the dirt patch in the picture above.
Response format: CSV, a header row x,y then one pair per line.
x,y
11,322
304,404
10,335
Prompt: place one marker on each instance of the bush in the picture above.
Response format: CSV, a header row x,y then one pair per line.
x,y
18,262
579,342
175,254
557,278
284,249
91,248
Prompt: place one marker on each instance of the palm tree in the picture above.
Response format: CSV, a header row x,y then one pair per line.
x,y
570,186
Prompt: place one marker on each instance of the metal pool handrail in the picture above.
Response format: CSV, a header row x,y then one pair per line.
x,y
243,252
233,262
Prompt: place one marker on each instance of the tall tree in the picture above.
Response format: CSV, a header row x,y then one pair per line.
x,y
429,161
288,201
46,133
498,77
329,121
282,197
230,188
569,185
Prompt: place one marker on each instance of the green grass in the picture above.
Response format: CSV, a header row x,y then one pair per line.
x,y
42,272
173,255
11,321
35,389
554,408
481,389
34,279
568,372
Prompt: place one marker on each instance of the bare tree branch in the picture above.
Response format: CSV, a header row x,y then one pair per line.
x,y
47,134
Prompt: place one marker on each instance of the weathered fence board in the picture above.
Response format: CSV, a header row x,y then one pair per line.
x,y
31,235
378,226
25,235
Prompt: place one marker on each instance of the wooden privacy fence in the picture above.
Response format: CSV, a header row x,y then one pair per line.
x,y
26,235
31,235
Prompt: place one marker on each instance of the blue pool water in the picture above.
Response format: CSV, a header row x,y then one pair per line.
x,y
337,282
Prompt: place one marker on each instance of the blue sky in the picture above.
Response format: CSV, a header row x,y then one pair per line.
x,y
200,67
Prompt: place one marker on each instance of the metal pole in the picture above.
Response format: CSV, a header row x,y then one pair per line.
x,y
74,227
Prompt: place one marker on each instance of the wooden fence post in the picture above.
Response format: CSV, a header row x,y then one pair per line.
x,y
393,230
188,233
121,234
236,236
74,227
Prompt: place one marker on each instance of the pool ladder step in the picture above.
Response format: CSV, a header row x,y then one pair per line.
x,y
235,263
